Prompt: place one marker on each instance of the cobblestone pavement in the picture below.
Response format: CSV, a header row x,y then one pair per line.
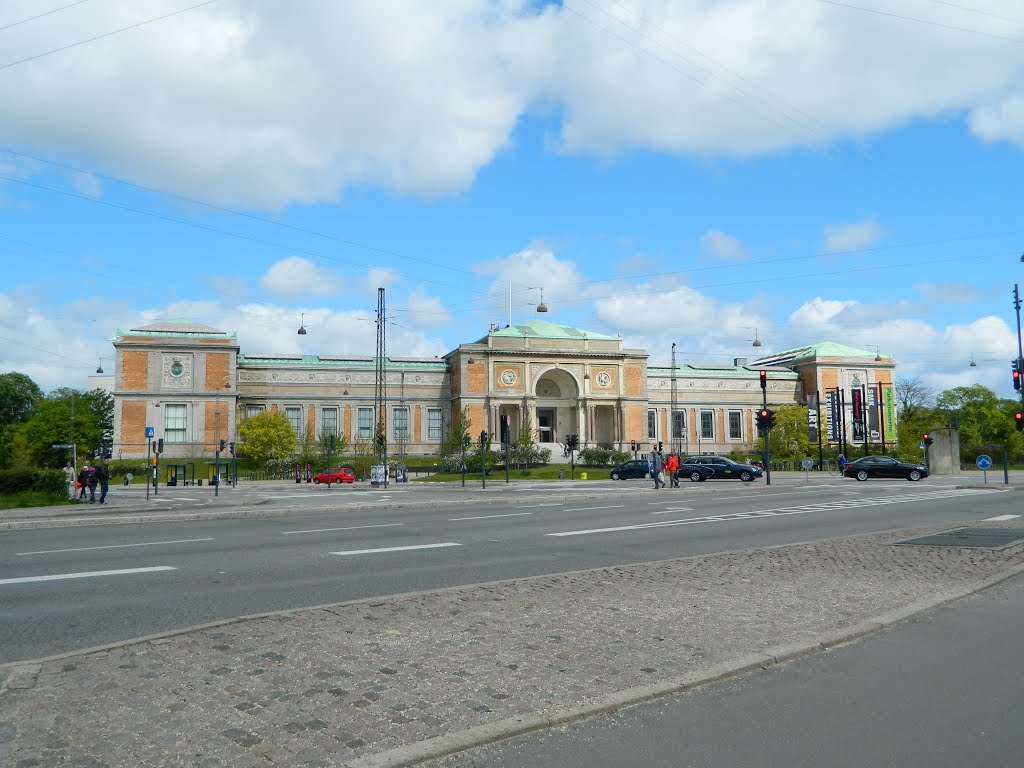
x,y
349,684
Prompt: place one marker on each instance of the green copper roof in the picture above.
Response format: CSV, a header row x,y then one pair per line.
x,y
542,329
179,327
821,349
339,362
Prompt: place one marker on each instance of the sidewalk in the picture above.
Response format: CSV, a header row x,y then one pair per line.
x,y
394,681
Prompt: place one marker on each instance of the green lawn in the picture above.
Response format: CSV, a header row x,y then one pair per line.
x,y
32,499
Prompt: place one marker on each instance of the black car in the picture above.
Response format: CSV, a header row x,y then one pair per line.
x,y
631,468
884,466
696,473
721,468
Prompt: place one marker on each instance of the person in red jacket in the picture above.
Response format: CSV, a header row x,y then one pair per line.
x,y
672,465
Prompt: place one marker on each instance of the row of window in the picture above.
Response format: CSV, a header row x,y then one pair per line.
x,y
364,421
707,425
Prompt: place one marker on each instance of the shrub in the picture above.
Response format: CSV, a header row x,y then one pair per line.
x,y
32,480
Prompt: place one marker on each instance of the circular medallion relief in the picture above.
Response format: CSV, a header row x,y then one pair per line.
x,y
177,369
509,377
603,379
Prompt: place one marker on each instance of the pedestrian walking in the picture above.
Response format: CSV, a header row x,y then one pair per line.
x,y
103,477
656,467
90,481
82,481
672,466
69,479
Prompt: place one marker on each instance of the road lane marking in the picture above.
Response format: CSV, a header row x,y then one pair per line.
x,y
110,546
777,512
585,509
347,528
536,506
488,517
85,574
1000,518
396,549
674,509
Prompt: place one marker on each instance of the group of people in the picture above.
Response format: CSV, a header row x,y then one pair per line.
x,y
660,465
87,479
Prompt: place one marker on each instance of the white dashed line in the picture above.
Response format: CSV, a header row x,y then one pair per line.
x,y
396,549
587,509
347,528
85,575
110,546
1000,518
488,517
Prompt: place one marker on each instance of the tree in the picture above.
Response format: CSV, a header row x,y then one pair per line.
x,y
454,441
982,418
64,416
340,448
912,395
18,397
267,436
789,435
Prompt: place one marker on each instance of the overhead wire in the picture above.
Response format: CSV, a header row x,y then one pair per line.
x,y
41,15
939,24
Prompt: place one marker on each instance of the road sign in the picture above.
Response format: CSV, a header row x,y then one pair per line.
x,y
920,444
807,462
983,461
62,445
150,432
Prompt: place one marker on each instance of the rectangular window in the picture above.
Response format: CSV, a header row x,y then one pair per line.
x,y
294,414
735,425
400,423
365,418
253,410
678,425
175,423
707,425
329,421
652,424
433,423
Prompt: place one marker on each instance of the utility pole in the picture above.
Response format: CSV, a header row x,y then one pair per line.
x,y
380,392
1020,350
674,429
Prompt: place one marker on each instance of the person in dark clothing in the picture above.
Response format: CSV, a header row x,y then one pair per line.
x,y
83,484
103,477
90,481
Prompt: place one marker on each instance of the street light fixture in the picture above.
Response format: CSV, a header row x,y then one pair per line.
x,y
302,325
757,341
99,368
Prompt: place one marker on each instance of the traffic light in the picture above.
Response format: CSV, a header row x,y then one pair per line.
x,y
764,379
160,445
632,445
762,418
660,444
1015,366
466,441
1019,420
231,447
483,437
928,439
771,419
223,445
506,436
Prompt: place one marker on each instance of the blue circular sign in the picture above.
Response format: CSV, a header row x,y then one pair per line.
x,y
983,462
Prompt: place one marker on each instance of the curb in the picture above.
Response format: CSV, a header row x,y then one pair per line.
x,y
489,733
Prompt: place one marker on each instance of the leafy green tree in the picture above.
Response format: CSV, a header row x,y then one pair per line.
x,y
267,437
789,435
341,446
984,420
454,441
64,416
18,397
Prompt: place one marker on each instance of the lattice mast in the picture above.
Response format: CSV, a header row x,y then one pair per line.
x,y
675,429
380,390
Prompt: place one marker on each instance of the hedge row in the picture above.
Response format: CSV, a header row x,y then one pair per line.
x,y
32,480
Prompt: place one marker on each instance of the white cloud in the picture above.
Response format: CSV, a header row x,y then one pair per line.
x,y
264,104
295,277
958,292
721,246
533,273
426,311
838,238
381,277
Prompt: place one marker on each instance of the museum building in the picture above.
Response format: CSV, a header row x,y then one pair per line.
x,y
192,384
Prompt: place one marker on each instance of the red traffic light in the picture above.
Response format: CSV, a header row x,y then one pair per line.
x,y
1019,419
763,375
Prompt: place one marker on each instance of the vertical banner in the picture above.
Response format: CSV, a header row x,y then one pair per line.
x,y
871,398
857,407
889,411
832,416
812,418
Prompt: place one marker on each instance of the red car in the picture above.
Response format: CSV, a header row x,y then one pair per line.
x,y
339,475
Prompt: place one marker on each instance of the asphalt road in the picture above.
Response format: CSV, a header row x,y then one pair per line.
x,y
66,589
938,691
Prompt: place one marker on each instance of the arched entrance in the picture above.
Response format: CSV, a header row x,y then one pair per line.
x,y
557,406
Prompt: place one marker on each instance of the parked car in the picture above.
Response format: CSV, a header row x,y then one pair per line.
x,y
631,468
883,466
722,468
339,475
696,473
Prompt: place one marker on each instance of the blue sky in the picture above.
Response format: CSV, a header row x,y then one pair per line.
x,y
686,171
